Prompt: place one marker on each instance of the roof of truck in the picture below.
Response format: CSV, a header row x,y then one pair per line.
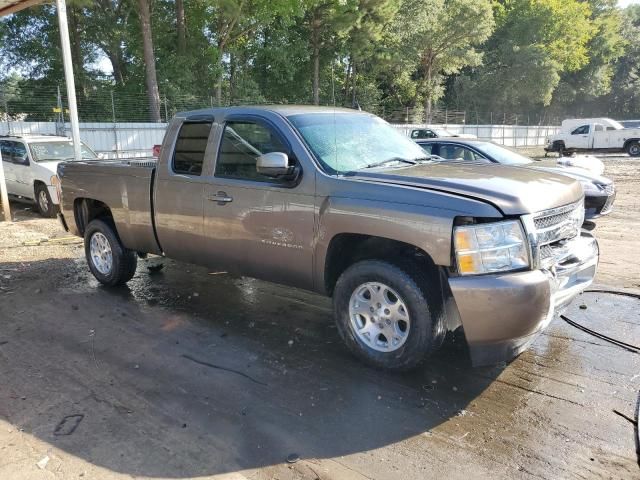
x,y
284,110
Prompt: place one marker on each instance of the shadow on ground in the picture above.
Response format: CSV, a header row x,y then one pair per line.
x,y
185,373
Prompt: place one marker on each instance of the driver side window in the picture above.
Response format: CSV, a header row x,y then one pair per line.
x,y
242,143
582,130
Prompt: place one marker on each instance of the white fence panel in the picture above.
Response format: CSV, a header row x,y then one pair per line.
x,y
508,135
113,140
110,140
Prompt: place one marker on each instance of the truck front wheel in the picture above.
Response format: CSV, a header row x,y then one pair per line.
x,y
384,316
43,201
633,149
109,261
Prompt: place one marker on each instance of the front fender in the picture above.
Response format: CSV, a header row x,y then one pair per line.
x,y
427,228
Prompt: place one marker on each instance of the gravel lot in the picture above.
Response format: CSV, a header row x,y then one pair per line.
x,y
187,373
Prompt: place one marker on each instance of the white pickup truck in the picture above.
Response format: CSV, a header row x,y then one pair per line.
x,y
595,134
30,163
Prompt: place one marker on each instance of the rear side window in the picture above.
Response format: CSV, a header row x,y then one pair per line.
x,y
191,144
13,152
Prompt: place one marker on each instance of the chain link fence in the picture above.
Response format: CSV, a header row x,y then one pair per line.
x,y
118,124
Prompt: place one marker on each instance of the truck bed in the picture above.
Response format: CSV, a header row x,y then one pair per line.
x,y
126,186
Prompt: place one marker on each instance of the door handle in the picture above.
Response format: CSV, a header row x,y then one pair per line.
x,y
220,197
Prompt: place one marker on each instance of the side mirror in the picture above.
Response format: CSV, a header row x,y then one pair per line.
x,y
274,165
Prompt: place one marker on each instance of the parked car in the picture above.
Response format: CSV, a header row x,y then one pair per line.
x,y
595,135
30,163
600,192
630,123
338,202
435,132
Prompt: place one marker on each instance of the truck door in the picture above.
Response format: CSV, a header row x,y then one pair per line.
x,y
580,138
16,168
256,225
600,136
178,193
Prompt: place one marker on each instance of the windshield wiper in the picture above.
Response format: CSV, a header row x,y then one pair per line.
x,y
391,160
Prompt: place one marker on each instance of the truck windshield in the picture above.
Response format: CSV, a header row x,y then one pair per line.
x,y
58,151
346,142
502,155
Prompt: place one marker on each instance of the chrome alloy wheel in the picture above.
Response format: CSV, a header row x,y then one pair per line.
x,y
634,149
379,317
43,201
101,254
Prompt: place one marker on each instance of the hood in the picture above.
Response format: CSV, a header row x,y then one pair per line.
x,y
513,190
576,173
51,166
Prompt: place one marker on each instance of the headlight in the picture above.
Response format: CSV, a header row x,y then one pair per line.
x,y
590,187
490,247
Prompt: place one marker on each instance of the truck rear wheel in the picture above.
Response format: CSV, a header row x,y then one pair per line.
x,y
384,316
633,149
109,261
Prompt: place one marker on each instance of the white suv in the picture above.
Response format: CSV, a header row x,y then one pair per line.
x,y
30,163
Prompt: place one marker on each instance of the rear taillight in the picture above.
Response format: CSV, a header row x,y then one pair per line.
x,y
55,181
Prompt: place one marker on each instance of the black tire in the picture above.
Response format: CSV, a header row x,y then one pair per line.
x,y
123,260
45,206
633,148
426,331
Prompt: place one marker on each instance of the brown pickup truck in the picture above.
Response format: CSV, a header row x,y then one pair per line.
x,y
338,202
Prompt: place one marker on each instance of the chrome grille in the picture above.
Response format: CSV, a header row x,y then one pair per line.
x,y
546,251
552,229
555,216
610,189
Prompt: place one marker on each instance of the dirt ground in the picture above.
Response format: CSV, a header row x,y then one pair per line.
x,y
187,373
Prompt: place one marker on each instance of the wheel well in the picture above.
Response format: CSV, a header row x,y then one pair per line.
x,y
630,140
36,183
347,248
87,209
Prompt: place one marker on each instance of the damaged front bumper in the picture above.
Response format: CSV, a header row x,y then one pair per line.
x,y
501,314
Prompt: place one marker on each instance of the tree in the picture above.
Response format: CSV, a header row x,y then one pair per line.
x,y
605,47
624,98
235,19
180,29
326,21
535,41
365,37
439,38
153,94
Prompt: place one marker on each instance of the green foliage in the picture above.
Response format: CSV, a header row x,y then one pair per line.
x,y
438,38
534,43
490,55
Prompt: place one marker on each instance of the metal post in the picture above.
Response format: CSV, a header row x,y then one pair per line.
x,y
115,125
6,111
166,111
504,122
68,77
3,193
